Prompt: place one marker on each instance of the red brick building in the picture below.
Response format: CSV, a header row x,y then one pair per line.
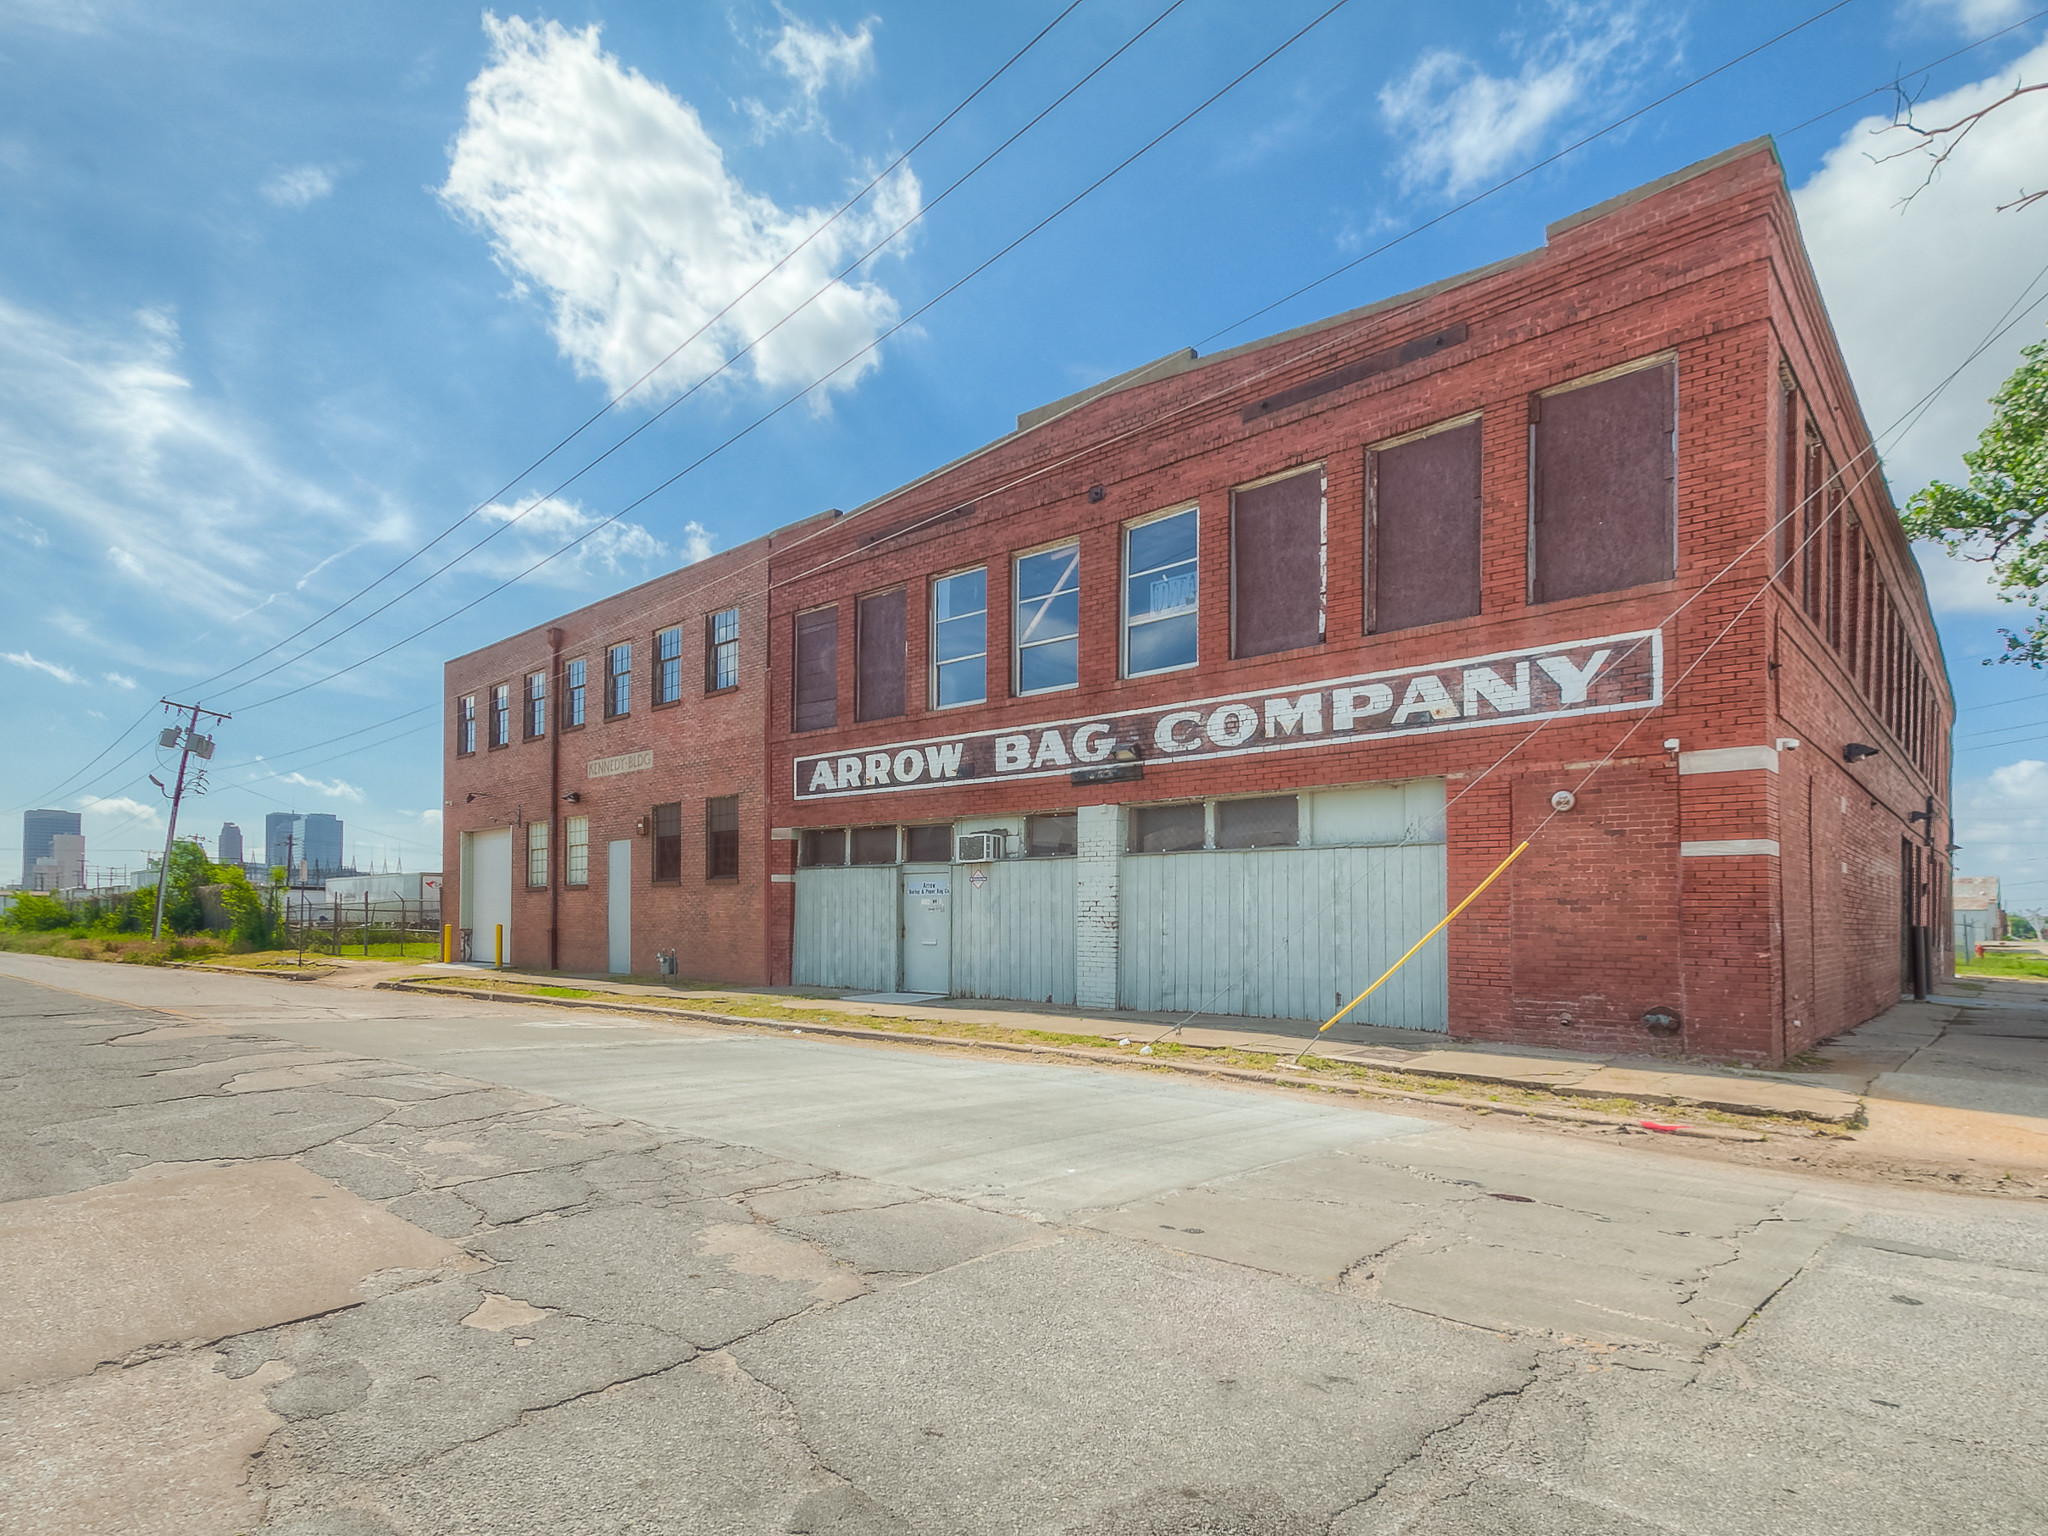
x,y
1212,687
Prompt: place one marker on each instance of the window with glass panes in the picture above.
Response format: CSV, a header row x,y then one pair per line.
x,y
573,678
501,715
1055,836
465,724
822,848
668,665
618,675
1048,622
576,851
1168,828
722,838
960,638
723,661
1160,594
874,845
536,853
536,705
928,845
668,842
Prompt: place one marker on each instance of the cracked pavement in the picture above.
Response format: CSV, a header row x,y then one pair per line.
x,y
384,1265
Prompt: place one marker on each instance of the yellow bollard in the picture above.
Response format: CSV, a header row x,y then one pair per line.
x,y
447,942
501,947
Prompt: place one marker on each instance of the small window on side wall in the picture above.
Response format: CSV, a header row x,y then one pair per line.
x,y
1276,565
1161,592
1604,484
722,838
668,842
1422,542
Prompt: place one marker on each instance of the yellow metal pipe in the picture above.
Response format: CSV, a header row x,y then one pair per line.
x,y
1499,869
501,947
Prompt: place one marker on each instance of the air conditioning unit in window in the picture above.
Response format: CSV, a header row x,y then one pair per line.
x,y
979,847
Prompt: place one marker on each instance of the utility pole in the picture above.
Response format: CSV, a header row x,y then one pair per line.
x,y
187,738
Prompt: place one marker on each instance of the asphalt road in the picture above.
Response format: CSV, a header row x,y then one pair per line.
x,y
318,1262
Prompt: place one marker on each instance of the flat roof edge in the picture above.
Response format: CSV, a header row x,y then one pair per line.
x,y
1159,368
1650,189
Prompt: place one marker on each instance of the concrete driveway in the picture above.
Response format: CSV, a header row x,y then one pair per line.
x,y
349,1264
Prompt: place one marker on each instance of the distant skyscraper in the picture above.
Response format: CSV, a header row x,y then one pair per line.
x,y
323,844
37,829
230,844
284,844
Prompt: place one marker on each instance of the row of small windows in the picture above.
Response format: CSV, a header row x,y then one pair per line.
x,y
721,672
1602,518
721,845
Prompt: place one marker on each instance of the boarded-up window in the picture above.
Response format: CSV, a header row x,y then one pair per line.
x,y
668,842
1604,506
1276,565
1782,531
1423,558
878,670
722,838
822,848
874,845
1273,821
1051,837
817,669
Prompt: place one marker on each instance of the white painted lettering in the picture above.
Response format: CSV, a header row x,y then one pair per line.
x,y
1012,753
1572,681
1485,683
1303,717
1166,735
1233,725
849,773
1094,743
878,768
945,761
1426,696
1350,705
909,766
1051,750
822,777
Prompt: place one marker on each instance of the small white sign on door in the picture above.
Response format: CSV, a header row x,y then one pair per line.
x,y
928,887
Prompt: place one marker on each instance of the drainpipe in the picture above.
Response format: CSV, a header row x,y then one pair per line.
x,y
554,730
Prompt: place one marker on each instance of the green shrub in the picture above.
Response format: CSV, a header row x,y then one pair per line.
x,y
33,912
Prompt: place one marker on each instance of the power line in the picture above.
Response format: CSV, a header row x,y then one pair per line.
x,y
792,399
843,209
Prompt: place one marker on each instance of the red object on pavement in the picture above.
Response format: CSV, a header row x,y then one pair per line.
x,y
1651,1125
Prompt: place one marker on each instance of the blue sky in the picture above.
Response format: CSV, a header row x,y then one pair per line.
x,y
286,291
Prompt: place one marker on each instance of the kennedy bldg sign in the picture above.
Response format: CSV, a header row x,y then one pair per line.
x,y
1584,677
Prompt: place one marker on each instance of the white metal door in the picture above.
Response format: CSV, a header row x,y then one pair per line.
x,y
928,932
490,893
619,905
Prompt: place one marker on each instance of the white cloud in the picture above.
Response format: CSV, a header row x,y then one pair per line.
x,y
1911,289
25,660
119,807
1461,124
603,189
812,58
120,680
339,789
697,543
2002,824
539,527
300,186
1973,18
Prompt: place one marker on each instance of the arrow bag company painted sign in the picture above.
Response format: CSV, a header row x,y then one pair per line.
x,y
1581,677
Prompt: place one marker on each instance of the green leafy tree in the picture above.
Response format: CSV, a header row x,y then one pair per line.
x,y
1999,515
32,912
2019,927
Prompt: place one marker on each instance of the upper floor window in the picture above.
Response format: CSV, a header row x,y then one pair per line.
x,y
501,715
1422,529
574,674
1160,593
722,650
465,724
1603,483
878,660
1277,564
618,678
960,638
816,700
536,705
1048,622
668,668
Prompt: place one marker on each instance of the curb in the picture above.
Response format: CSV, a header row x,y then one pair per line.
x,y
248,970
1091,1057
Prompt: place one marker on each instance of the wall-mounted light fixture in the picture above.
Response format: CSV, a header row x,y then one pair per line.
x,y
573,798
1856,751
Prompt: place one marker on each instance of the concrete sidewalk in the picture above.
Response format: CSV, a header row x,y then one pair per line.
x,y
1829,1097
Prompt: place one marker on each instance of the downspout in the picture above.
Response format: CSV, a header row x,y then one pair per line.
x,y
555,841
